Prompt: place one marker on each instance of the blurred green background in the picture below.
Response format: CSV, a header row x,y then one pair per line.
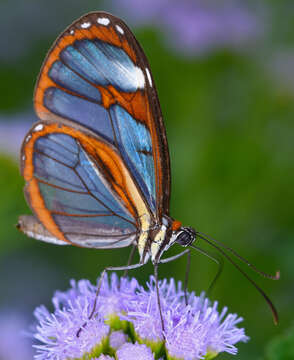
x,y
225,80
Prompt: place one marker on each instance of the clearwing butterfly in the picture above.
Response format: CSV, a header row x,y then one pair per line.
x,y
96,165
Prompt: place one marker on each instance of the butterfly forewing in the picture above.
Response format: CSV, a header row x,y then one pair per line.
x,y
97,75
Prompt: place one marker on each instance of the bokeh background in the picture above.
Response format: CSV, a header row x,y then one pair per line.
x,y
225,78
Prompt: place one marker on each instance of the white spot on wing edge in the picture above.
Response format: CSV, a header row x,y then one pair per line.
x,y
103,21
140,78
119,29
47,239
28,138
85,25
149,76
23,158
72,32
39,127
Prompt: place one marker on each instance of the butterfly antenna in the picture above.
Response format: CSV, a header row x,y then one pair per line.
x,y
217,259
267,299
262,273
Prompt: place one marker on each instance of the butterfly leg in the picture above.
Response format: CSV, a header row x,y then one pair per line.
x,y
158,297
109,268
187,276
132,253
172,258
164,261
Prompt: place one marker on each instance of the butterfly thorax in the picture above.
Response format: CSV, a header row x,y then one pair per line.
x,y
160,237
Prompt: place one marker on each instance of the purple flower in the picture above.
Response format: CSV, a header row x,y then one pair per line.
x,y
190,331
117,339
134,352
110,297
57,332
127,323
196,26
104,357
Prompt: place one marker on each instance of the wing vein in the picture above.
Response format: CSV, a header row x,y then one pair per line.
x,y
86,187
101,202
62,188
79,215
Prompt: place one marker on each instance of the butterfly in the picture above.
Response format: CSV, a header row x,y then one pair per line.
x,y
97,165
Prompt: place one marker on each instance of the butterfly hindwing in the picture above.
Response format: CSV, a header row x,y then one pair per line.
x,y
96,75
79,188
29,225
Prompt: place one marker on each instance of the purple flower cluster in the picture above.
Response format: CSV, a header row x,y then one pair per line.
x,y
196,26
127,324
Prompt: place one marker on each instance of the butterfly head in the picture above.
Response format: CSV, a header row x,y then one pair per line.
x,y
166,236
185,236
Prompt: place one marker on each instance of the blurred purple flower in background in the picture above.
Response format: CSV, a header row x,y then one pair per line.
x,y
127,323
12,131
196,26
14,344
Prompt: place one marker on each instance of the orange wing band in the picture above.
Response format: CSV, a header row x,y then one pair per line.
x,y
109,35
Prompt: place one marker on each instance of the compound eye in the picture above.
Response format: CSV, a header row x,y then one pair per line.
x,y
185,238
